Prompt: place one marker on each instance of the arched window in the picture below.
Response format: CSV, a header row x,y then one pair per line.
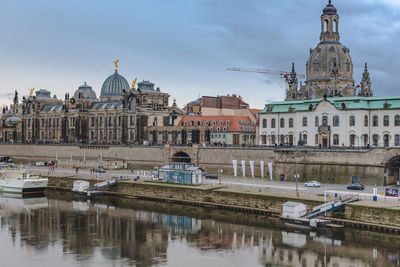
x,y
273,124
264,139
315,66
291,140
282,125
365,120
282,140
352,120
352,139
365,139
305,139
386,140
397,140
325,120
375,139
316,121
264,123
397,120
290,122
375,121
273,141
386,120
336,26
336,121
326,26
335,139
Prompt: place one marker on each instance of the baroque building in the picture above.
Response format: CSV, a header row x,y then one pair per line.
x,y
329,69
121,115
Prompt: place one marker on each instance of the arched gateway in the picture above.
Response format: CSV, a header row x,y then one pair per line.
x,y
181,157
392,170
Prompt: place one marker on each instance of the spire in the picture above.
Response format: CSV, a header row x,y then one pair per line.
x,y
366,83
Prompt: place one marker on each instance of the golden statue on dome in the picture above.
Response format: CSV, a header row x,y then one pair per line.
x,y
134,83
116,64
31,91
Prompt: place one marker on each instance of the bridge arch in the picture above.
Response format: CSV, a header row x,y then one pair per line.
x,y
181,156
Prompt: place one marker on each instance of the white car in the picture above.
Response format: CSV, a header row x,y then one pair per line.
x,y
312,184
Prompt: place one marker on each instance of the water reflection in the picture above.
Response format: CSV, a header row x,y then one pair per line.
x,y
130,232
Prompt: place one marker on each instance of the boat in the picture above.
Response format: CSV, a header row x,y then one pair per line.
x,y
22,182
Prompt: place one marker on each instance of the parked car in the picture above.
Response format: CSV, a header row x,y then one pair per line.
x,y
99,170
355,187
211,176
392,192
312,184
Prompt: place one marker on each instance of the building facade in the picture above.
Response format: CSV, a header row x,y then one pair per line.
x,y
121,114
341,121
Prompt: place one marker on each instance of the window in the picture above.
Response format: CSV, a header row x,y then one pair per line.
x,y
352,139
375,121
335,139
365,120
352,120
192,123
386,120
386,140
132,120
397,120
273,141
365,139
316,121
324,120
305,139
91,121
336,121
264,139
229,122
304,121
316,140
214,122
110,121
282,125
290,122
264,123
397,140
375,139
221,123
273,124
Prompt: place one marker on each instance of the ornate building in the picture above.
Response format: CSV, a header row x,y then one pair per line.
x,y
329,69
121,115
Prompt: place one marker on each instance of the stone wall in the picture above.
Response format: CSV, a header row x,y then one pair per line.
x,y
327,166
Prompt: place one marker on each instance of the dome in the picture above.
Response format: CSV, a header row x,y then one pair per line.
x,y
330,9
114,85
85,92
325,57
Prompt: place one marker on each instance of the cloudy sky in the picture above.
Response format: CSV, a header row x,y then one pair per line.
x,y
185,46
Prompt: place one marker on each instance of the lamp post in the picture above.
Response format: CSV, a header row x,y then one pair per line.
x,y
297,181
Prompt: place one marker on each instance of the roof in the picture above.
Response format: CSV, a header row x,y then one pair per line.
x,y
47,108
107,105
221,123
292,204
347,103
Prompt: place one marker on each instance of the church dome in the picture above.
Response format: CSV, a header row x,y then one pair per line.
x,y
85,92
325,57
114,86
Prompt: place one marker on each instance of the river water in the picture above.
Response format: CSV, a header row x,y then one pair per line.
x,y
58,230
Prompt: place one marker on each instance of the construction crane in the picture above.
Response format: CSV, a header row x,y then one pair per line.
x,y
284,74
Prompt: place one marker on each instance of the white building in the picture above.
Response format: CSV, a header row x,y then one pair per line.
x,y
341,121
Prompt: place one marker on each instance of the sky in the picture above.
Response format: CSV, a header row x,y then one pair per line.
x,y
185,46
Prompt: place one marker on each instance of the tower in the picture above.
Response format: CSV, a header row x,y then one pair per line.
x,y
292,92
366,84
329,68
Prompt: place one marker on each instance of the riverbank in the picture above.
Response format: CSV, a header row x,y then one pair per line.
x,y
358,214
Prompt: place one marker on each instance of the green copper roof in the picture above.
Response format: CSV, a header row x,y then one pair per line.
x,y
343,103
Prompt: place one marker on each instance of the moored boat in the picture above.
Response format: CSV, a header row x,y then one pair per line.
x,y
22,182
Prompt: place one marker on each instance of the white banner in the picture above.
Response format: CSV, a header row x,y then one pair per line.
x,y
270,170
262,168
244,168
234,167
252,168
